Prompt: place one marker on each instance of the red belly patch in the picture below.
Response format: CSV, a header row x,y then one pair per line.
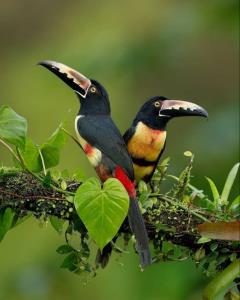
x,y
126,182
88,149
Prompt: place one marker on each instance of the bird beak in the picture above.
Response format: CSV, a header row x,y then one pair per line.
x,y
78,82
179,108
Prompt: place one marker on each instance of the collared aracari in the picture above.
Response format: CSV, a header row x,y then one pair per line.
x,y
103,144
146,138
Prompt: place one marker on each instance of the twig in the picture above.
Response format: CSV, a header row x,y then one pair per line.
x,y
169,200
193,188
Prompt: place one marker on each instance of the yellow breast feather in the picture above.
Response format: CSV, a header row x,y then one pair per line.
x,y
141,171
146,143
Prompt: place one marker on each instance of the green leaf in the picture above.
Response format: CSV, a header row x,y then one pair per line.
x,y
6,220
50,152
64,249
144,197
188,153
203,240
57,224
215,193
51,149
234,208
70,262
162,168
56,174
63,185
142,187
204,203
69,199
13,128
165,162
183,182
47,180
229,183
213,246
222,280
30,155
200,254
102,210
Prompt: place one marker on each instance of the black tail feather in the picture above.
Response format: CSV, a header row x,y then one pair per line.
x,y
138,228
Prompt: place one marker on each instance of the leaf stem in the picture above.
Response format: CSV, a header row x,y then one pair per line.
x,y
42,160
25,167
72,137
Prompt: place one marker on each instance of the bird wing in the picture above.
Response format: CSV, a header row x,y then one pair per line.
x,y
101,133
129,134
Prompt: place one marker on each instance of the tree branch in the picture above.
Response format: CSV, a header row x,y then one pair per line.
x,y
166,220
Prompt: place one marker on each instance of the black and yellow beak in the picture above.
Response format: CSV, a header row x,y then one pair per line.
x,y
179,108
78,82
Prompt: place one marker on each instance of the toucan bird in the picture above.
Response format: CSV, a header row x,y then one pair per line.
x,y
146,138
103,144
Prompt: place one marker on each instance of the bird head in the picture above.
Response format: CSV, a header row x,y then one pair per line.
x,y
92,95
158,110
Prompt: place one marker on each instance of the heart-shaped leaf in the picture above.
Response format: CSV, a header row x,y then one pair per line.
x,y
13,128
31,156
102,210
51,149
50,152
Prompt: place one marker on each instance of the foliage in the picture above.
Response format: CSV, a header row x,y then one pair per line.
x,y
13,128
6,218
102,210
76,206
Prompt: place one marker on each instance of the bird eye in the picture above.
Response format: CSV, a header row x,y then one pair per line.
x,y
93,89
157,104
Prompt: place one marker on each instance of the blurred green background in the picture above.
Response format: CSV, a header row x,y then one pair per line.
x,y
137,49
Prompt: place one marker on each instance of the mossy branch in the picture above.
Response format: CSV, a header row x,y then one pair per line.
x,y
166,220
171,225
